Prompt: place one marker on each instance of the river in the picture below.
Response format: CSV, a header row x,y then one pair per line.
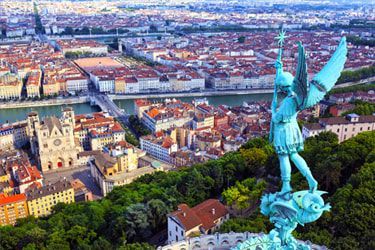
x,y
16,114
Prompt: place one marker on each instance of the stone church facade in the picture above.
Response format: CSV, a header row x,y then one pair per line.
x,y
53,140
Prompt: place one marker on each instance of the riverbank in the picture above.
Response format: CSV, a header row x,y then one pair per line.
x,y
49,102
193,94
206,93
348,84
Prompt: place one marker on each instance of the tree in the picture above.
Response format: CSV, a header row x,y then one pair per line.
x,y
255,159
243,194
68,31
137,225
116,230
157,212
79,236
229,171
241,39
233,196
354,210
34,237
255,223
153,28
195,187
137,246
130,213
56,240
101,243
350,76
350,225
362,108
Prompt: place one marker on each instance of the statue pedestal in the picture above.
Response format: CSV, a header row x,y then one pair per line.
x,y
286,211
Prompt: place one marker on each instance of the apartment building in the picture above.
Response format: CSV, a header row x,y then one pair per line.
x,y
77,84
159,147
97,130
33,84
159,119
111,168
41,200
12,207
10,86
344,127
203,121
6,137
82,46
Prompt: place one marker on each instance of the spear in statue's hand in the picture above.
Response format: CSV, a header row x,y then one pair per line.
x,y
279,67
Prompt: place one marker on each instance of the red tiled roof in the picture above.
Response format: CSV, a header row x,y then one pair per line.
x,y
209,211
12,199
187,217
167,142
204,214
153,112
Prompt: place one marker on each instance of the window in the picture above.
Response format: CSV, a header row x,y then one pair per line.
x,y
176,229
182,233
338,130
360,128
346,129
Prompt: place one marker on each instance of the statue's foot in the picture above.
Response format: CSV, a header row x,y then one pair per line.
x,y
313,184
284,196
286,188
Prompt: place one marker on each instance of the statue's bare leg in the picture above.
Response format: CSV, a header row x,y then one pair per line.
x,y
285,170
305,170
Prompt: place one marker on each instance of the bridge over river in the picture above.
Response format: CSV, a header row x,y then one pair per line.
x,y
107,105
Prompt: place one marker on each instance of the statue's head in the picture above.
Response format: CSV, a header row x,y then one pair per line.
x,y
284,80
310,206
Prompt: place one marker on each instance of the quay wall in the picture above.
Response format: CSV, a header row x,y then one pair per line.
x,y
49,102
193,94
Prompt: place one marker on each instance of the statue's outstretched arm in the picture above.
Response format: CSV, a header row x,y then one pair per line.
x,y
273,111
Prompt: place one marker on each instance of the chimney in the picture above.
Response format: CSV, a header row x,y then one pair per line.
x,y
213,211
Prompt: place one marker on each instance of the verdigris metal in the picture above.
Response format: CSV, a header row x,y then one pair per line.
x,y
285,208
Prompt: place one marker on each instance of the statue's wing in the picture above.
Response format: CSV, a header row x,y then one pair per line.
x,y
300,82
328,76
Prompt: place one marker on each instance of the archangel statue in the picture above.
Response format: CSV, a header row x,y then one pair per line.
x,y
287,209
300,94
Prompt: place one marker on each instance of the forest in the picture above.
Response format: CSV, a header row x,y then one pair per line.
x,y
130,215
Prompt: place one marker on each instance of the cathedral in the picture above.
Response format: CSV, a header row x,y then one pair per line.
x,y
53,141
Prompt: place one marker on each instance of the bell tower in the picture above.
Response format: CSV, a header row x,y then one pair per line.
x,y
32,126
68,116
